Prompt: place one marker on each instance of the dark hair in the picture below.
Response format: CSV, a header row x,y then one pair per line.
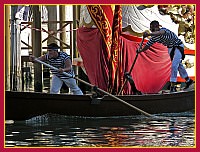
x,y
53,46
155,23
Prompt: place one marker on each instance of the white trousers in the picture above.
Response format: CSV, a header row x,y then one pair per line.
x,y
177,65
71,83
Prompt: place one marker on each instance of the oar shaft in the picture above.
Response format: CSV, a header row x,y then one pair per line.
x,y
124,102
69,75
131,67
122,87
136,56
52,67
133,63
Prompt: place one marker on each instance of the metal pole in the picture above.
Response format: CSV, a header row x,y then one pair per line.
x,y
12,74
7,47
15,51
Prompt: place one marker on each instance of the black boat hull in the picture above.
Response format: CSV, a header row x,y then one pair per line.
x,y
24,105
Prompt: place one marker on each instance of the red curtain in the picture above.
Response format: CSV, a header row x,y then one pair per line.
x,y
102,15
152,68
90,46
107,54
109,23
115,69
150,73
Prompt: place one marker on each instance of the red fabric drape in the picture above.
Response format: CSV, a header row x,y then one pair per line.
x,y
109,23
115,70
115,53
89,43
152,68
150,73
102,15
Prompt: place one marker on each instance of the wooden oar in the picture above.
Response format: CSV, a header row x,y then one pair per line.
x,y
122,101
131,67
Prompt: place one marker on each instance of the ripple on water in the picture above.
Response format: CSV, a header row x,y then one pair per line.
x,y
57,131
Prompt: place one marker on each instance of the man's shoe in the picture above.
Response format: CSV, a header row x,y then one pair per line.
x,y
173,89
190,82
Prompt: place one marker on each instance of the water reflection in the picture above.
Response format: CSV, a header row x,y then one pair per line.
x,y
57,131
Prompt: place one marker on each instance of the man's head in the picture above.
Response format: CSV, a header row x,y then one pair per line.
x,y
154,26
52,50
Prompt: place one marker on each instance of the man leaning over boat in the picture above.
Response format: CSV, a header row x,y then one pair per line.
x,y
175,49
62,61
